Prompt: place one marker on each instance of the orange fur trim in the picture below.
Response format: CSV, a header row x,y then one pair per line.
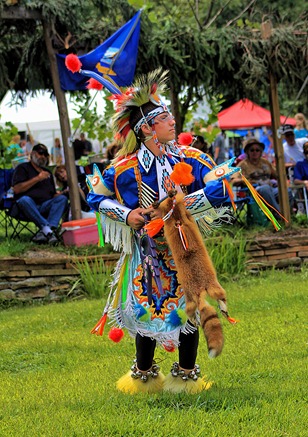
x,y
196,272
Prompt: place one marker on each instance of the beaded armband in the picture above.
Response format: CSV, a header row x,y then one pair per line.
x,y
197,202
114,210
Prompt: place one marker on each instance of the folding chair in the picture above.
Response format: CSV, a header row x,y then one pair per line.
x,y
241,200
16,221
299,192
12,220
5,184
247,211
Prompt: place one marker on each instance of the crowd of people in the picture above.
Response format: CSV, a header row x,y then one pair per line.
x,y
46,186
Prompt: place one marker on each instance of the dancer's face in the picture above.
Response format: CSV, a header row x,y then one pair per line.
x,y
165,127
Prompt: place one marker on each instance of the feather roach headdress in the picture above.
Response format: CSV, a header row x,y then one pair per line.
x,y
136,106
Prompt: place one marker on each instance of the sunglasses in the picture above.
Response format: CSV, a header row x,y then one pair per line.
x,y
254,150
165,117
42,153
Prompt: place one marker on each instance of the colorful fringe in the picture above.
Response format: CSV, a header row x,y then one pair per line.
x,y
262,204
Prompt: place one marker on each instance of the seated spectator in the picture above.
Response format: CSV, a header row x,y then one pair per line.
x,y
301,128
292,148
79,150
62,182
301,169
15,146
36,197
260,172
199,143
111,152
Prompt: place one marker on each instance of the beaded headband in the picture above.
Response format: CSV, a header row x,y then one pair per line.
x,y
146,118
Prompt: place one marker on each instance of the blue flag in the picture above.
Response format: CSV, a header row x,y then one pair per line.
x,y
115,58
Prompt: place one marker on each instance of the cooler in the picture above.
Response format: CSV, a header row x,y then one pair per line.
x,y
80,232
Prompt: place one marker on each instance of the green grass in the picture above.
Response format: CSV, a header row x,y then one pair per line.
x,y
59,380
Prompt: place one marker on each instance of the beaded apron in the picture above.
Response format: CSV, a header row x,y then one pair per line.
x,y
130,289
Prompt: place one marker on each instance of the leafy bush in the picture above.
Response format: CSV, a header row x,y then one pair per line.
x,y
6,133
228,253
94,278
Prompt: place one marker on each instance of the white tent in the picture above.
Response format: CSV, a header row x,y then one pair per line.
x,y
39,116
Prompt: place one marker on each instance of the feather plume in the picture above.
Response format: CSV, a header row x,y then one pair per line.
x,y
93,84
146,88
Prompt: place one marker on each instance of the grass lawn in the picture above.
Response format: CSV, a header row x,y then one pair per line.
x,y
59,380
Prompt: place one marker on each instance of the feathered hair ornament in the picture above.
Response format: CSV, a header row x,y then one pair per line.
x,y
146,89
130,105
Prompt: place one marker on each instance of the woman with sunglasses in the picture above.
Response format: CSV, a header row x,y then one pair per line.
x,y
260,172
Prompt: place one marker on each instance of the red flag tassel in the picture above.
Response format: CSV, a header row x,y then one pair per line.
x,y
100,325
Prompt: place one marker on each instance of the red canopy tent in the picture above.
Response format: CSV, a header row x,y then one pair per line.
x,y
246,114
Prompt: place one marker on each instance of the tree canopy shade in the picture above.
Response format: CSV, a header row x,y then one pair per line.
x,y
246,114
215,48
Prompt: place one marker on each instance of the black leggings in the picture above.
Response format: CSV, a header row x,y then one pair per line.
x,y
145,348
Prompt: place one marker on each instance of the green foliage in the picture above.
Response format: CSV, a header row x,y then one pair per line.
x,y
94,278
228,254
202,123
59,380
6,133
205,45
89,121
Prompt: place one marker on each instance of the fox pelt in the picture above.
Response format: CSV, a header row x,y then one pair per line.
x,y
196,272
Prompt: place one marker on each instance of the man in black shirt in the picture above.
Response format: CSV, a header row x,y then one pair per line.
x,y
87,145
35,195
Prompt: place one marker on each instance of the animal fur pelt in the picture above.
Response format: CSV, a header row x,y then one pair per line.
x,y
195,269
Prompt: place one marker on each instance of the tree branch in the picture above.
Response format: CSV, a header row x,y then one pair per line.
x,y
240,14
217,15
195,15
209,13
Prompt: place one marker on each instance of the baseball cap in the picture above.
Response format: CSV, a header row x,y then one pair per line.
x,y
250,142
287,128
41,149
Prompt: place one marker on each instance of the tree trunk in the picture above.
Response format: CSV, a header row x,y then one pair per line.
x,y
65,126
